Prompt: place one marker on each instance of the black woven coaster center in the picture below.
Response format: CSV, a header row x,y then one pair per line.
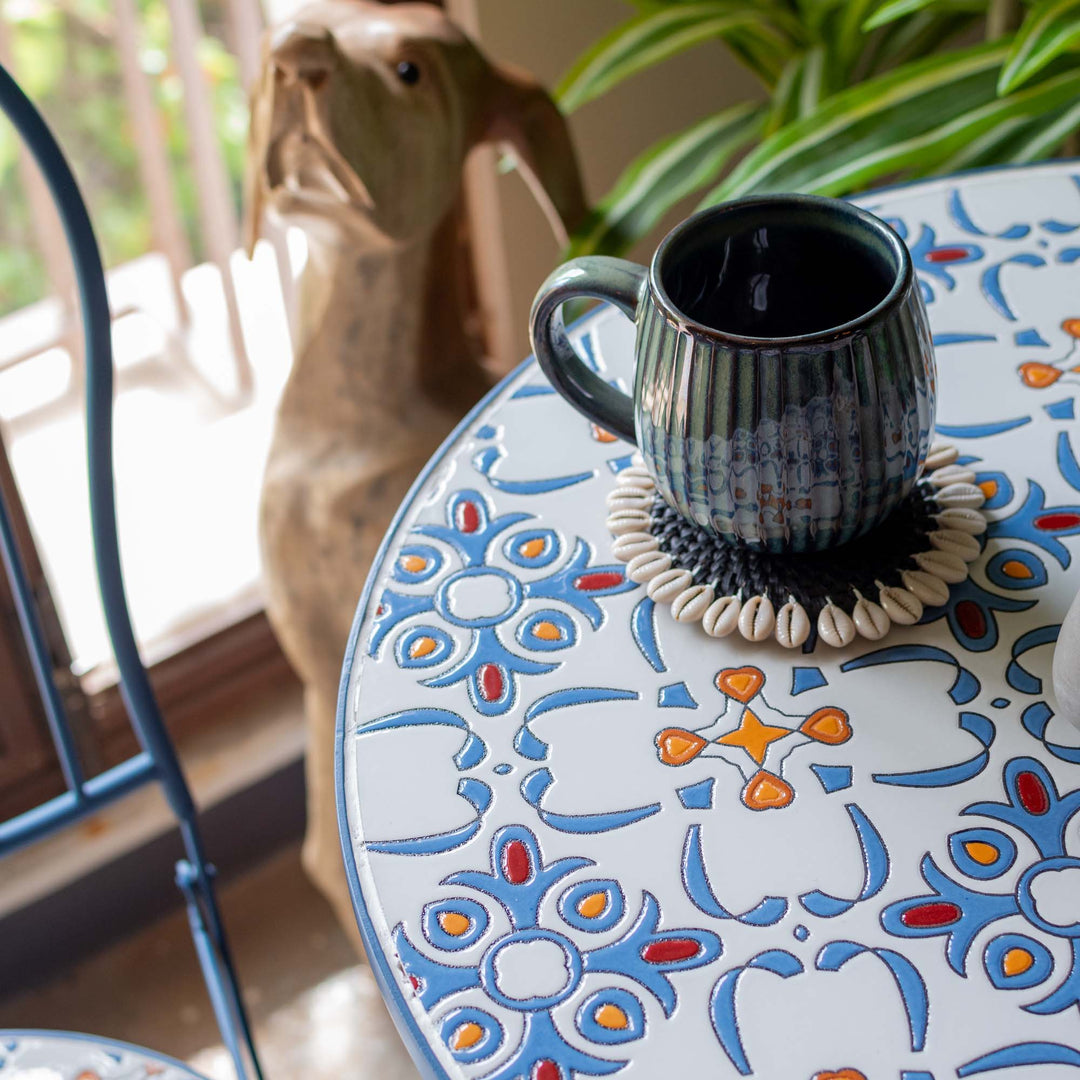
x,y
812,578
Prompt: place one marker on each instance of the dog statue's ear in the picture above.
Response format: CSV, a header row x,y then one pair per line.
x,y
518,111
261,114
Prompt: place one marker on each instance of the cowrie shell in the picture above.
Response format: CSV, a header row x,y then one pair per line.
x,y
691,604
638,483
957,543
960,495
644,567
666,585
941,454
950,568
757,618
952,474
792,625
722,616
623,521
962,519
870,619
629,496
637,459
633,474
634,543
834,626
629,502
901,605
931,590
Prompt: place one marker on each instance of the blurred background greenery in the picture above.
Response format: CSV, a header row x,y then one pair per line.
x,y
68,63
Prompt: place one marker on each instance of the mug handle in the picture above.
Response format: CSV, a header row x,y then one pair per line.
x,y
601,277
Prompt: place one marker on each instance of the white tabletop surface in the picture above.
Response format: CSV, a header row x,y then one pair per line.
x,y
543,897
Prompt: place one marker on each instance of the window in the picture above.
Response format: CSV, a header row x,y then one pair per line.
x,y
146,97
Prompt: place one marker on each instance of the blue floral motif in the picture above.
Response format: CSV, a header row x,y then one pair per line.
x,y
724,1002
961,217
970,611
932,259
475,599
519,881
959,913
1040,524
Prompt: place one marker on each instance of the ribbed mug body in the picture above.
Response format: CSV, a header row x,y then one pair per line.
x,y
785,385
785,446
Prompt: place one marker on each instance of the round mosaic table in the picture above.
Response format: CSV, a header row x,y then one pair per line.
x,y
869,865
59,1055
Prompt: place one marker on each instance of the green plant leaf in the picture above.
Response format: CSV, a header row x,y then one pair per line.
x,y
919,36
873,114
785,97
1051,28
842,168
898,9
1044,137
812,88
815,13
849,34
758,55
660,33
664,174
992,146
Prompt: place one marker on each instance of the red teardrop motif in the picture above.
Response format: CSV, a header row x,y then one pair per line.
x,y
546,1070
1032,793
516,864
939,913
489,682
415,983
669,950
971,619
1055,522
468,516
601,579
949,254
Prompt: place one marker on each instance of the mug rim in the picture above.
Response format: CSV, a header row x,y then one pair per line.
x,y
900,285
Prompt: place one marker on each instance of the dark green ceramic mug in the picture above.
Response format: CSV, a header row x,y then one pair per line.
x,y
784,384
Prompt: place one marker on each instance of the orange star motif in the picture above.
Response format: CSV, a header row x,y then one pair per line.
x,y
753,736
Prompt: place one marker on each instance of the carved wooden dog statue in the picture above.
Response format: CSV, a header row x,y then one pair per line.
x,y
361,122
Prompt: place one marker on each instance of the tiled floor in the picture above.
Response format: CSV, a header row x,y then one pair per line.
x,y
317,1012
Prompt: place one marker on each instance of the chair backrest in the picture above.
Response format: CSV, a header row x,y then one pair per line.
x,y
157,762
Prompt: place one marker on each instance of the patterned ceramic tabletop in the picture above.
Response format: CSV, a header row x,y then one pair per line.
x,y
545,898
57,1055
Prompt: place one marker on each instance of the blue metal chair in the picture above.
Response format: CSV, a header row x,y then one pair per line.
x,y
157,761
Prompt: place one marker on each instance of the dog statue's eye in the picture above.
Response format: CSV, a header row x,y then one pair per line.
x,y
408,73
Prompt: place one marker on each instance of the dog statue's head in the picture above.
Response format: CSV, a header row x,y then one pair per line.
x,y
364,114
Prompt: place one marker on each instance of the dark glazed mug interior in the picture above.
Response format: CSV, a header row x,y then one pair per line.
x,y
777,267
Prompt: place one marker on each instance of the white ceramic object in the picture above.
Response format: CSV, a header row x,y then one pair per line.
x,y
60,1055
859,861
1067,665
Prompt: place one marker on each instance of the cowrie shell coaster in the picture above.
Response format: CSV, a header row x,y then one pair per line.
x,y
924,548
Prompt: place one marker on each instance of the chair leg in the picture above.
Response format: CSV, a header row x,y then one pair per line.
x,y
215,958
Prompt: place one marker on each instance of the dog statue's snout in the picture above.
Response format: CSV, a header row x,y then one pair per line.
x,y
302,52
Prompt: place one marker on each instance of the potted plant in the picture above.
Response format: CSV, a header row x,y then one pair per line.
x,y
860,92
